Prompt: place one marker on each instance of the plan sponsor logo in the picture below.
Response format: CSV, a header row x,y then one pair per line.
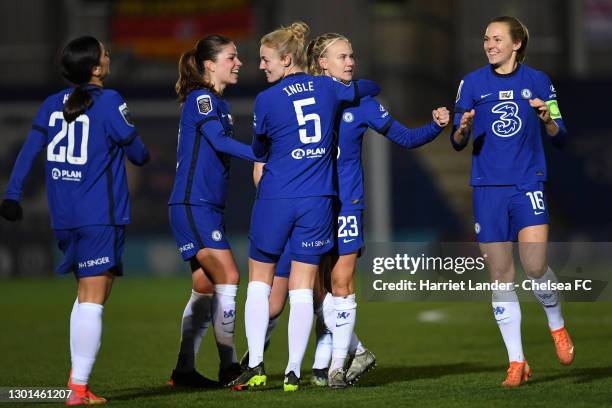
x,y
66,175
505,95
299,154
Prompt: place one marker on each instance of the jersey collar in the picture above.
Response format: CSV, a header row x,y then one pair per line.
x,y
508,75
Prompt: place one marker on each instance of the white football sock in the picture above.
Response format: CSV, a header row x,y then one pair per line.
x,y
85,340
271,325
73,315
328,311
507,313
223,318
194,324
256,318
356,346
323,350
345,308
549,299
301,316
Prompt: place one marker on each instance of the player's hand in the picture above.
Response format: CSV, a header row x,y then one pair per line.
x,y
11,210
541,109
441,116
467,121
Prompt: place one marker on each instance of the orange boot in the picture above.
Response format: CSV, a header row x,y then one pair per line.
x,y
563,345
518,373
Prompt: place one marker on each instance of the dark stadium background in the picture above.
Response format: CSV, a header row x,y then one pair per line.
x,y
417,50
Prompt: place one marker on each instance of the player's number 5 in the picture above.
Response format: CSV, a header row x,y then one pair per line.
x,y
63,156
302,119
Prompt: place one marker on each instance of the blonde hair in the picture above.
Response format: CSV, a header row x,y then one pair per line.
x,y
289,41
318,49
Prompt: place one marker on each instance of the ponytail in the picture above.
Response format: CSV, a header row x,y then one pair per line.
x,y
78,102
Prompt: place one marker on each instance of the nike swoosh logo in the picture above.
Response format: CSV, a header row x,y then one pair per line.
x,y
348,240
225,324
484,96
572,350
538,212
340,325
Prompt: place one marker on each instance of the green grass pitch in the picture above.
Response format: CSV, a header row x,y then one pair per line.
x,y
456,360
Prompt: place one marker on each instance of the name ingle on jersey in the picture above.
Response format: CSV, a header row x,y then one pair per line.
x,y
292,89
294,119
507,131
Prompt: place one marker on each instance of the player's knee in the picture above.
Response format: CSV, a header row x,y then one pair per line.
x,y
535,269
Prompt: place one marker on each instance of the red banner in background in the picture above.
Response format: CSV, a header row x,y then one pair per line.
x,y
164,29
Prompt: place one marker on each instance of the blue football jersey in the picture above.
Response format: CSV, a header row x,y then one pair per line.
x,y
85,169
294,125
205,144
507,146
353,123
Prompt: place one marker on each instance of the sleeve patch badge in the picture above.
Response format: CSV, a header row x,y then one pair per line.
x,y
126,115
204,104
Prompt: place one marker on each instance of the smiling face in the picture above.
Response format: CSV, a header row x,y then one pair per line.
x,y
225,69
271,63
338,61
499,47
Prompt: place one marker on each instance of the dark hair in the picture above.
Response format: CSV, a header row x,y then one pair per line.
x,y
518,32
191,65
78,59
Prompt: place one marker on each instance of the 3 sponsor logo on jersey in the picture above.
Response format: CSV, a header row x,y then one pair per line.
x,y
505,95
216,235
186,247
66,175
94,262
526,93
299,154
348,117
316,244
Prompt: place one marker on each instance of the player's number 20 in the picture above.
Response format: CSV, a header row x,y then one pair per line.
x,y
66,153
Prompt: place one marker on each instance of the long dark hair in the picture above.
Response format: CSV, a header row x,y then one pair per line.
x,y
78,59
191,65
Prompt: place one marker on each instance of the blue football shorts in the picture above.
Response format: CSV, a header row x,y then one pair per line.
x,y
500,212
91,250
305,224
196,227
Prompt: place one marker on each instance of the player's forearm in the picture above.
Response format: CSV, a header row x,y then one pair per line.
x,y
137,152
459,138
23,165
558,134
412,138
